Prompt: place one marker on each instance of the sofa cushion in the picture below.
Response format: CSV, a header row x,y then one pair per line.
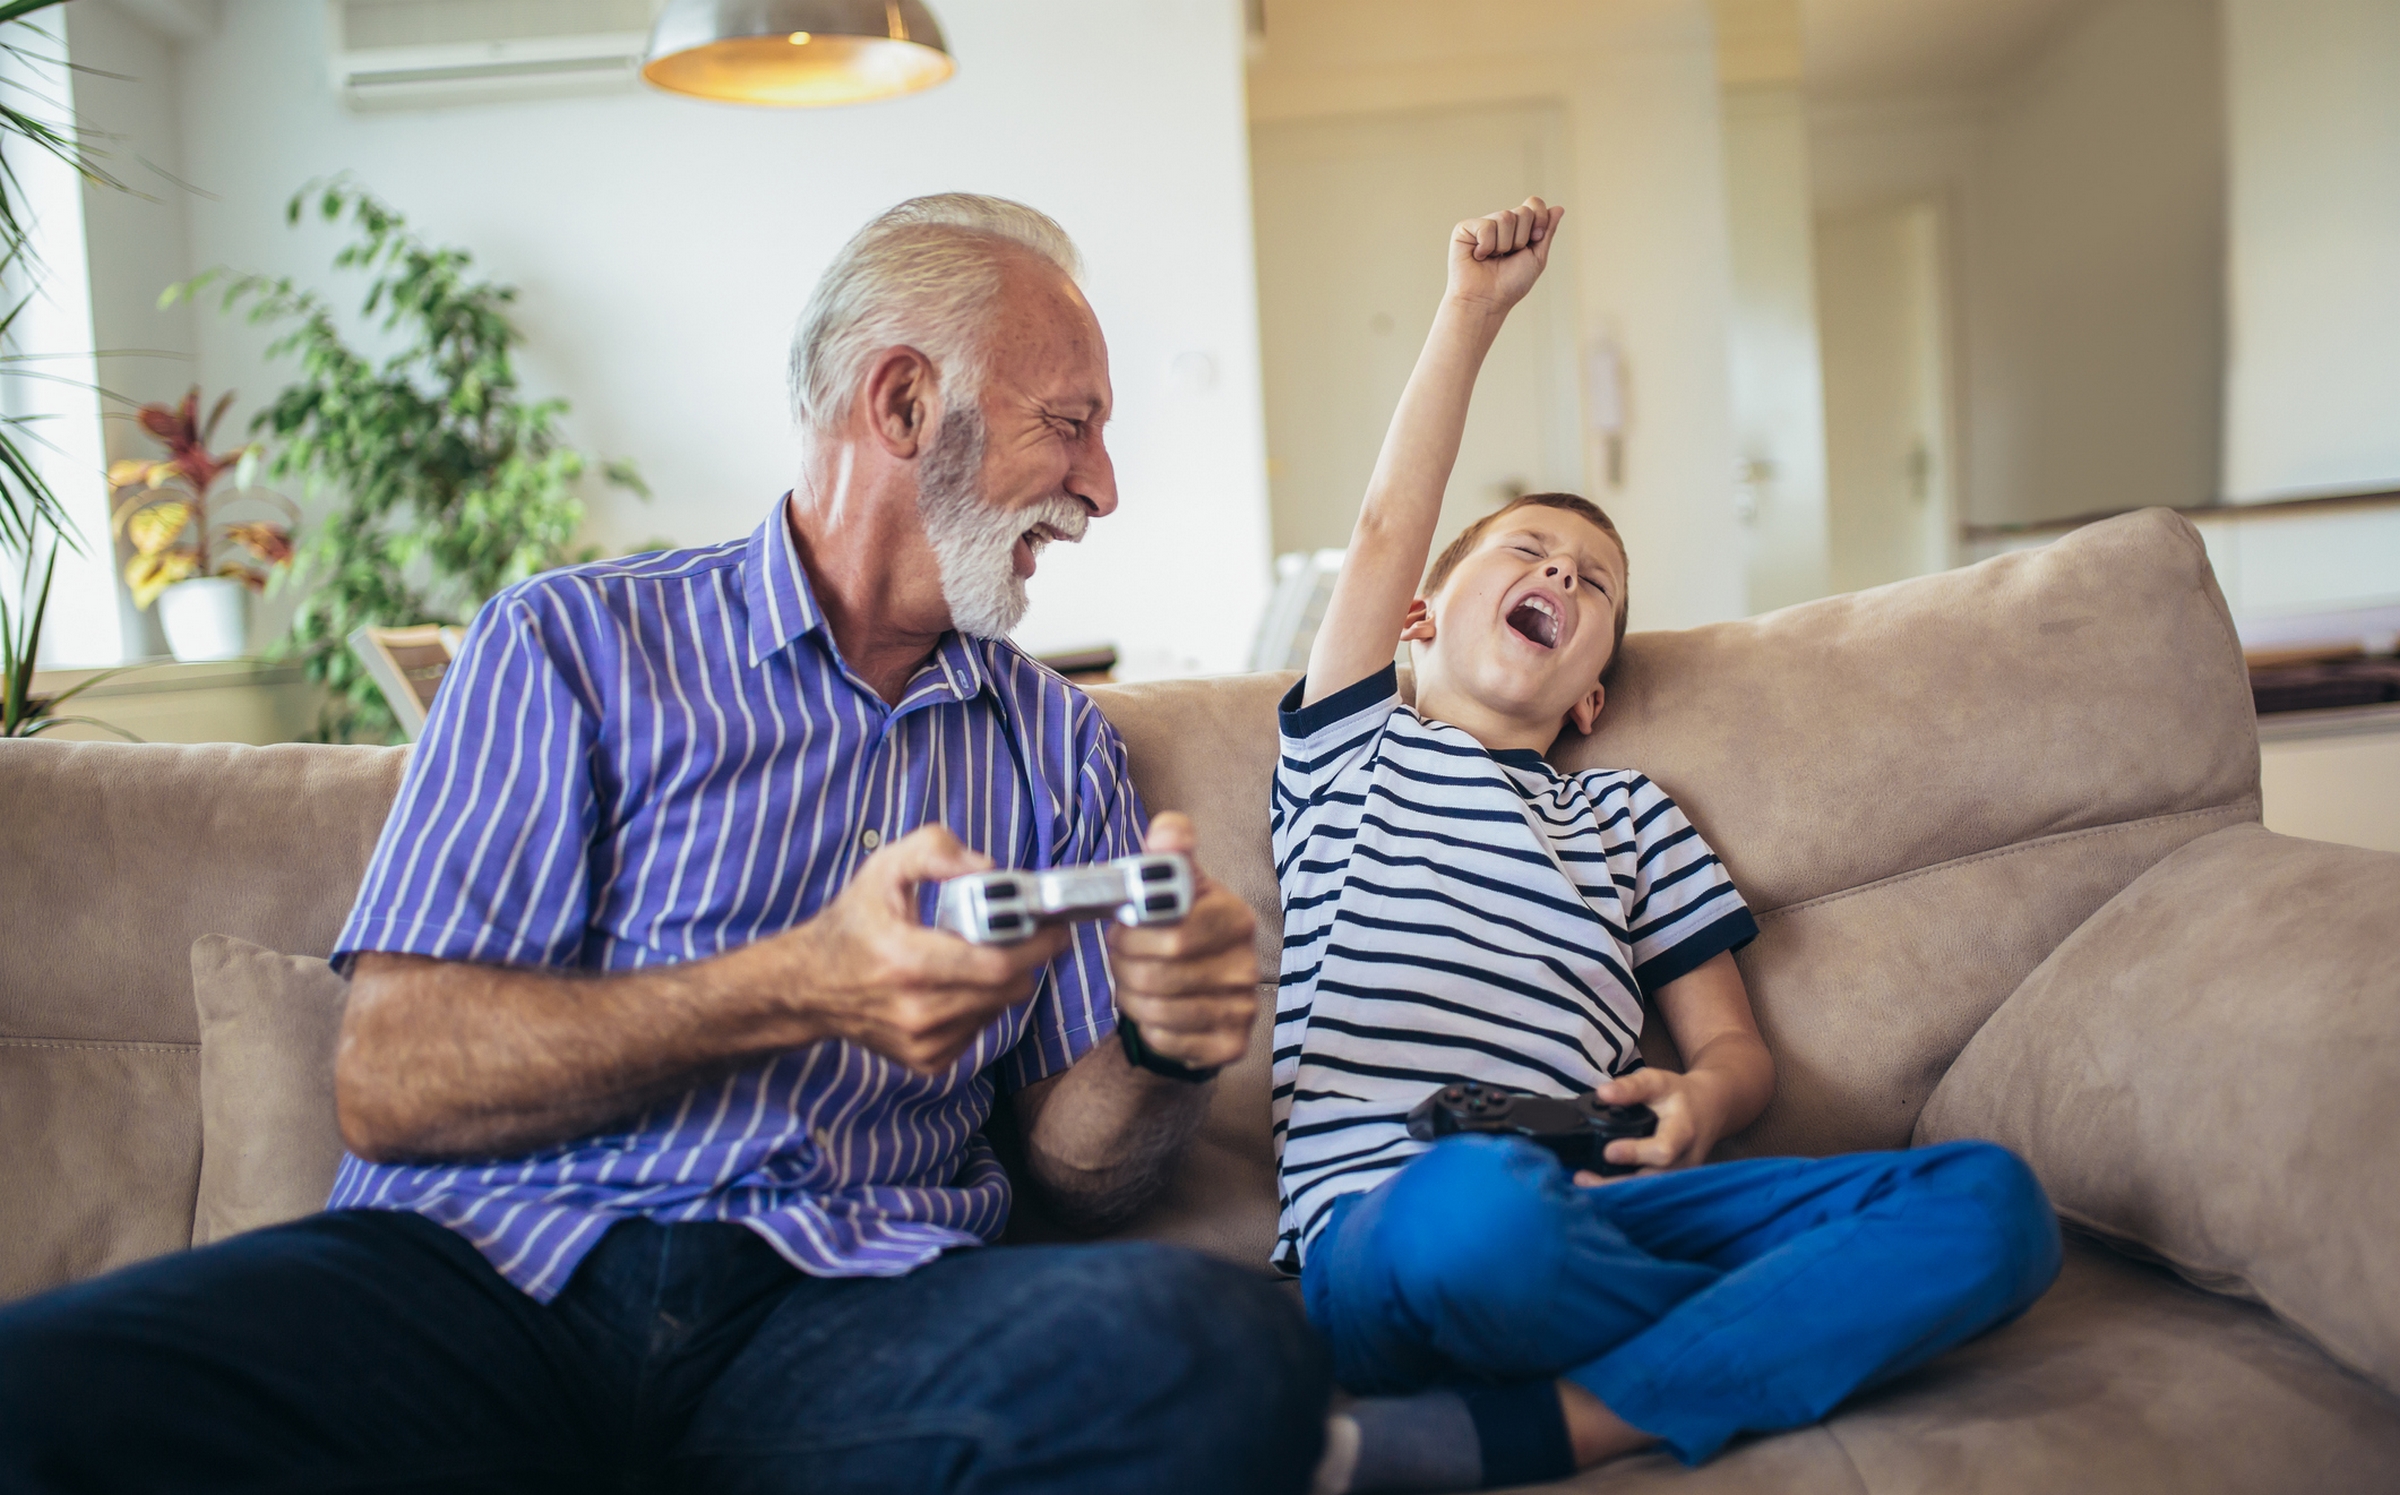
x,y
2209,1069
2121,1379
146,847
268,1140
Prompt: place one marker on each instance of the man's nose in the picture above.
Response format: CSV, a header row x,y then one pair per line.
x,y
1570,581
1093,478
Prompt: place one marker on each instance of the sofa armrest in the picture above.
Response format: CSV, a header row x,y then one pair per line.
x,y
2208,1072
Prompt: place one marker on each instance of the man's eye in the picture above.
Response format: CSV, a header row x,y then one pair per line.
x,y
1526,550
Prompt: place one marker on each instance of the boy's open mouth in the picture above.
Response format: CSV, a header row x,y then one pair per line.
x,y
1537,620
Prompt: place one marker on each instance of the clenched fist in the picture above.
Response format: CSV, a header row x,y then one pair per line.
x,y
1494,260
876,976
1192,985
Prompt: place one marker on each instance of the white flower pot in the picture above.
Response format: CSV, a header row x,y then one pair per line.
x,y
207,617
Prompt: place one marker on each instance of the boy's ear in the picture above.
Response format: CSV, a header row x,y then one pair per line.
x,y
1417,627
1586,709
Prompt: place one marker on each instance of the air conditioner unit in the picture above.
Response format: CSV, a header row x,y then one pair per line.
x,y
397,54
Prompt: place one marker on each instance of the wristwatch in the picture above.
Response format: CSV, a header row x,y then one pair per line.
x,y
1142,1056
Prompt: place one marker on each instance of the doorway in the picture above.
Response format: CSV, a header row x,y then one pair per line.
x,y
1881,290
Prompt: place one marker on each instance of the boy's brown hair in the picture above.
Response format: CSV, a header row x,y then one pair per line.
x,y
1572,503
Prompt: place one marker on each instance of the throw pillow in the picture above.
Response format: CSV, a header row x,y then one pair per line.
x,y
2209,1071
268,1140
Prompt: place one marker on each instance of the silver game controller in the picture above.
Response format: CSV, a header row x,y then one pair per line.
x,y
1000,908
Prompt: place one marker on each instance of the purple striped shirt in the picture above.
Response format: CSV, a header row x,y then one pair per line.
x,y
653,760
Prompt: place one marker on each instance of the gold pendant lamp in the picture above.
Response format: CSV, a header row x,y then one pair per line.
x,y
796,53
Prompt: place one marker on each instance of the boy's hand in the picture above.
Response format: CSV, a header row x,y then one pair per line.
x,y
1688,1121
1495,260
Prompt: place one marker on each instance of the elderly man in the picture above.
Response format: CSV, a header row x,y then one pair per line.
x,y
664,1105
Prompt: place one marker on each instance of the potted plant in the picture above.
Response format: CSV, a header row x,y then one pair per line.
x,y
441,481
187,558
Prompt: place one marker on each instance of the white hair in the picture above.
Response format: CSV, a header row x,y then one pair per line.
x,y
922,274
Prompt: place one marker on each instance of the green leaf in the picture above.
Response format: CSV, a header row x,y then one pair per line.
x,y
446,484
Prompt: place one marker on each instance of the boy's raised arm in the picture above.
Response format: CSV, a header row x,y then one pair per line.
x,y
1494,261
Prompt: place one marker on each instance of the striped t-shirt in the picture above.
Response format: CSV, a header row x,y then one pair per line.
x,y
1451,912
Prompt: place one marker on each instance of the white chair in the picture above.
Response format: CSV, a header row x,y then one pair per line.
x,y
408,665
1303,585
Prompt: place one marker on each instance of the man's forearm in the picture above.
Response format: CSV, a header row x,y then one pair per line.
x,y
1101,1137
446,1060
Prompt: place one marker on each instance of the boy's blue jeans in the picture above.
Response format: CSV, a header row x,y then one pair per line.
x,y
1739,1297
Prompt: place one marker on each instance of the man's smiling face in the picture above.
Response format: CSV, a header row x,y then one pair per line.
x,y
1525,623
1027,465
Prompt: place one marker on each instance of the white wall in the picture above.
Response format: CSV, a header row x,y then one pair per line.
x,y
2343,787
2087,202
2313,110
1646,232
664,248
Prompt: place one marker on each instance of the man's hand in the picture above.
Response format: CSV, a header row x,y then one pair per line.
x,y
1192,986
874,975
1495,260
1690,1119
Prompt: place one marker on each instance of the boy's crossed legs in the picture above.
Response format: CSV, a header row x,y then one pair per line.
x,y
1694,1304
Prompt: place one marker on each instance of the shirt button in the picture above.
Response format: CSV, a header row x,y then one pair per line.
x,y
823,1139
871,838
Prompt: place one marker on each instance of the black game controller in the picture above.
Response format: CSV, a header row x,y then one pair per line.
x,y
1577,1130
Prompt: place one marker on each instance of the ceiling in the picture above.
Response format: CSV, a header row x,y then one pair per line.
x,y
1860,48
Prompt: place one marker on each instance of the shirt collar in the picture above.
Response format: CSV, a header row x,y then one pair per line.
x,y
783,607
775,586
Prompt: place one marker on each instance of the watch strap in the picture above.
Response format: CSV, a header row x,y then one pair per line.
x,y
1142,1056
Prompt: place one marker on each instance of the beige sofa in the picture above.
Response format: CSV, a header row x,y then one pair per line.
x,y
2000,827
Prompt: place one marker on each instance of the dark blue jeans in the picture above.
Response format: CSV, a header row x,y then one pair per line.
x,y
365,1350
1739,1297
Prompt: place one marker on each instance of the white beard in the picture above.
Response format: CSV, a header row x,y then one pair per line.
x,y
973,543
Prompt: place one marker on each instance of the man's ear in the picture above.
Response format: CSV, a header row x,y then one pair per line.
x,y
1417,627
1586,709
901,401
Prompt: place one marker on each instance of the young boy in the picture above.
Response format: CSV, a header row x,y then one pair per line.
x,y
1456,909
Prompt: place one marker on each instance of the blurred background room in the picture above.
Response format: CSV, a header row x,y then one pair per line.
x,y
1854,290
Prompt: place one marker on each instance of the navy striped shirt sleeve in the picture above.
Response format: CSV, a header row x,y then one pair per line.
x,y
484,855
1076,1005
1684,910
1327,738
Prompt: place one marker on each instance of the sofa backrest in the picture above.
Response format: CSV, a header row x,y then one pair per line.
x,y
1921,789
113,859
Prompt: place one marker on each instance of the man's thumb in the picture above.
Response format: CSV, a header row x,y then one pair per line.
x,y
1171,830
927,854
